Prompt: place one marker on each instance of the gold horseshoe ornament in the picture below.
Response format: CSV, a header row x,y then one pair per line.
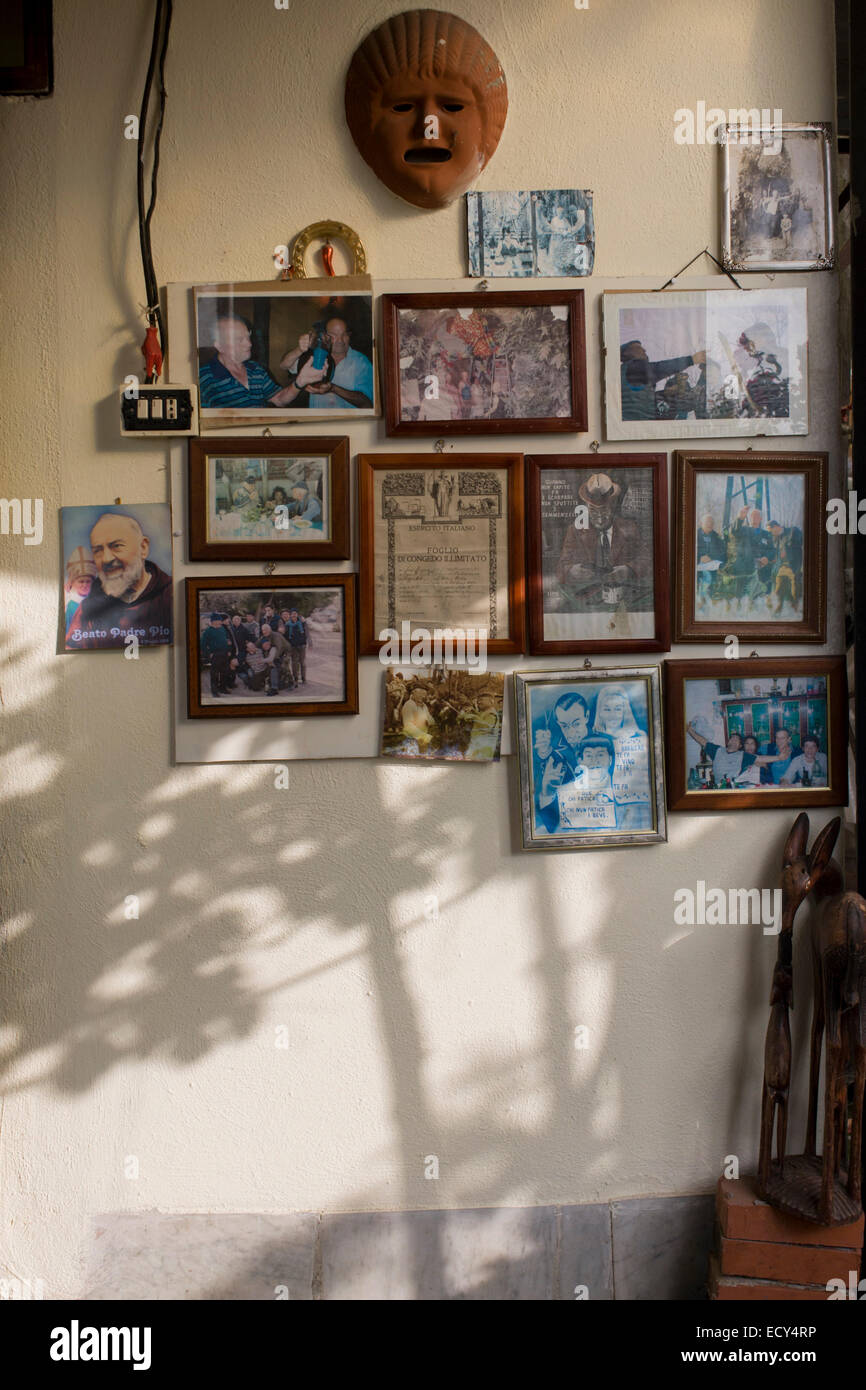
x,y
327,230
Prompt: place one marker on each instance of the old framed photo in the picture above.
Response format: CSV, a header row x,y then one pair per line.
x,y
269,498
285,350
597,553
590,754
777,197
491,362
442,713
442,548
759,731
700,364
283,647
751,546
116,584
546,232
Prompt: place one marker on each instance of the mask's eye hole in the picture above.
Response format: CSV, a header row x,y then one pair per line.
x,y
402,106
452,105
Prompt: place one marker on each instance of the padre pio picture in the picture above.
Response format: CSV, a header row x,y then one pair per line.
x,y
116,585
442,713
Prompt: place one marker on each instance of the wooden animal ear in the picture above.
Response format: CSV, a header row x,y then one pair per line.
x,y
825,842
795,846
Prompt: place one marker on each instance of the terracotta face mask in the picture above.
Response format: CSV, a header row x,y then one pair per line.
x,y
426,102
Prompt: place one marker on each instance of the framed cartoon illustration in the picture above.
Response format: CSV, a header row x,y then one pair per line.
x,y
589,746
597,552
759,731
702,364
442,547
283,647
269,498
750,546
490,362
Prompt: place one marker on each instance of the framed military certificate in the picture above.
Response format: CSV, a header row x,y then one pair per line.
x,y
442,549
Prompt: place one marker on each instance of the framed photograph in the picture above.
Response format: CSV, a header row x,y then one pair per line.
x,y
597,574
442,713
546,231
116,586
285,350
760,731
777,197
442,548
283,647
751,546
590,753
269,498
687,364
492,362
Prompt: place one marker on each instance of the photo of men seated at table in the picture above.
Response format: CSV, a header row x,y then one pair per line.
x,y
274,498
749,547
765,734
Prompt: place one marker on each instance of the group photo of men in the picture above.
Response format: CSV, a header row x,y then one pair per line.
x,y
749,547
285,646
764,735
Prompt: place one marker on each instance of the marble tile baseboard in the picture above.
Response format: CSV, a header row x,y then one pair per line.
x,y
648,1248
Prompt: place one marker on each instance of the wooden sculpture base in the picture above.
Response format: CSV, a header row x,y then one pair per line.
x,y
798,1192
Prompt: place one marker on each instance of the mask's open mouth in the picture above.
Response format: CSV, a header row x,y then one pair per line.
x,y
427,154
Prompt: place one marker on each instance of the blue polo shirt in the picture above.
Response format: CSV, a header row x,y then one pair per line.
x,y
778,770
221,391
354,373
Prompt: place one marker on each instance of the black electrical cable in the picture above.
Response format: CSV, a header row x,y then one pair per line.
x,y
158,50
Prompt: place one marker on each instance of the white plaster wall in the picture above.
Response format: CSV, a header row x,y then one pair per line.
x,y
411,1031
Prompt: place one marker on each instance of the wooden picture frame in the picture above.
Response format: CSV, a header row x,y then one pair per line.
x,y
488,374
753,710
239,702
474,496
295,459
551,605
794,558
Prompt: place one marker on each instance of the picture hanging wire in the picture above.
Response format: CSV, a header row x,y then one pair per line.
x,y
706,252
153,351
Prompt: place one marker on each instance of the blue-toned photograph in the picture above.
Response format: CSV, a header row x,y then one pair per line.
x,y
117,576
590,758
543,232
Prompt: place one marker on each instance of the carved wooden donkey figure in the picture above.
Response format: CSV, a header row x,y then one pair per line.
x,y
797,879
838,939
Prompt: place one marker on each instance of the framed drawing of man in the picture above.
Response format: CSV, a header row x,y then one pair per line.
x,y
597,544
